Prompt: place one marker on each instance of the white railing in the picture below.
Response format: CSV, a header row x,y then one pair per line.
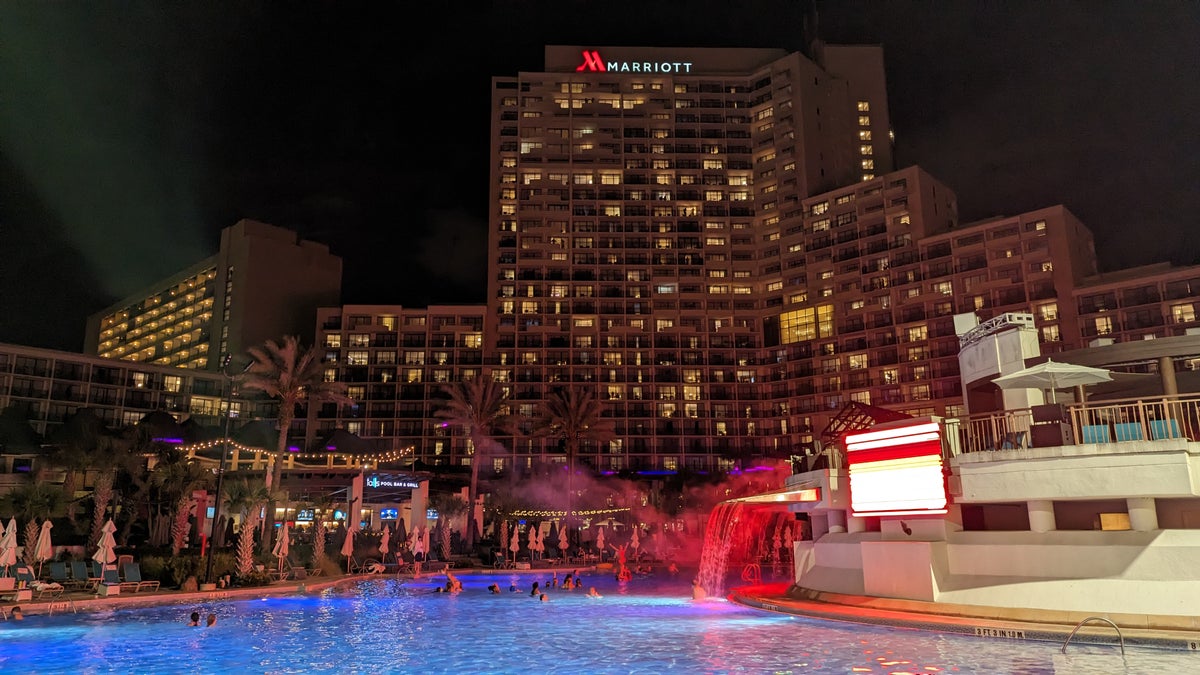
x,y
1115,421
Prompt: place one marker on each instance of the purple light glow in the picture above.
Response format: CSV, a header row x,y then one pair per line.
x,y
175,441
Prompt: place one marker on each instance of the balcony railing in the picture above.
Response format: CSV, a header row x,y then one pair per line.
x,y
1116,421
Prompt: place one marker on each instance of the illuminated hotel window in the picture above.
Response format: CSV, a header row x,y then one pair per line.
x,y
864,135
864,120
713,164
1104,325
1183,313
866,150
1051,333
357,358
864,106
330,375
868,164
868,176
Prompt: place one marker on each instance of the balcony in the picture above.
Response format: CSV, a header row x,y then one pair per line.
x,y
1117,421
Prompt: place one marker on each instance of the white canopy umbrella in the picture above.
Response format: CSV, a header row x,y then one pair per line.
x,y
515,544
600,540
105,549
8,547
44,549
281,545
1053,375
634,541
564,540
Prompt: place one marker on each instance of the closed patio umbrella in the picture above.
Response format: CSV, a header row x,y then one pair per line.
x,y
281,545
348,545
384,542
105,550
44,549
564,541
8,547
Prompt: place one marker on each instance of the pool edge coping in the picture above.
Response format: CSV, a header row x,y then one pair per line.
x,y
972,626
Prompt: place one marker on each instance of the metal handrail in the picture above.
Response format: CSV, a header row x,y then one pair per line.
x,y
1095,618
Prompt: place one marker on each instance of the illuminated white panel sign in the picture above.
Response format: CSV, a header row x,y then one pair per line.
x,y
897,471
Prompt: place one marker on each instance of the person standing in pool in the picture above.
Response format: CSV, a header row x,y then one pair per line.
x,y
212,620
535,592
195,619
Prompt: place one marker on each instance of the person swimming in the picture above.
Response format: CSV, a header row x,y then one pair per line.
x,y
593,594
195,619
535,591
698,590
494,589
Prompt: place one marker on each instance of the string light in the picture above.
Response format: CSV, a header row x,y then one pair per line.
x,y
390,456
530,513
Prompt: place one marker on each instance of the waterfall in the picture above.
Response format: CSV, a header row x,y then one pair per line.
x,y
737,535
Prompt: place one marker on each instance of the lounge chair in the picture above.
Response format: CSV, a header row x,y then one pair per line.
x,y
1096,433
109,576
40,589
133,575
60,574
1160,429
82,574
1129,431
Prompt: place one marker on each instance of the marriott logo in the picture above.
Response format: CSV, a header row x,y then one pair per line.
x,y
593,63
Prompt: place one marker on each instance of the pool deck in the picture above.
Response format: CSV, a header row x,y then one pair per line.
x,y
1162,632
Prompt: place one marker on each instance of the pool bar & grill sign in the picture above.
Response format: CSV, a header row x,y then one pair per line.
x,y
593,63
383,481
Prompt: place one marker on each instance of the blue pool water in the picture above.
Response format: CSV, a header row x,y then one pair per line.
x,y
648,626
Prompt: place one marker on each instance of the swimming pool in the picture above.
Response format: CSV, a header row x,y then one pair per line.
x,y
648,626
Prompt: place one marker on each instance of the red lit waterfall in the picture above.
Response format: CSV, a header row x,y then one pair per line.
x,y
748,538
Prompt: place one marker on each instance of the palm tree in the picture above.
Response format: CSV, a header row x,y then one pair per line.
x,y
73,447
29,502
86,440
246,497
573,415
287,371
480,407
448,507
177,477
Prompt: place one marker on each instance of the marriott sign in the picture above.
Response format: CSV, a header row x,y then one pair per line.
x,y
593,63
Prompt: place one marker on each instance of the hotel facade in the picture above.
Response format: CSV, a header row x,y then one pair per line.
x,y
263,283
723,252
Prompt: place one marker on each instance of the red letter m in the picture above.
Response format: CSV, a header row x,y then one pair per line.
x,y
592,62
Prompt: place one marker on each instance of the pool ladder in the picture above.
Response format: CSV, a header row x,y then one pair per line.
x,y
1095,618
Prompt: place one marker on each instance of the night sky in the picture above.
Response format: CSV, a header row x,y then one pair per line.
x,y
132,133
